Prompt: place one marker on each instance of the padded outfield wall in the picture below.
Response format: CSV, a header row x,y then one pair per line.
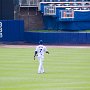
x,y
63,38
13,31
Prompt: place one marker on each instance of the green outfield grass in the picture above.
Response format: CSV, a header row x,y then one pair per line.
x,y
77,31
65,69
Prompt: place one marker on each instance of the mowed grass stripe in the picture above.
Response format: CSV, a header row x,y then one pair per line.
x,y
65,69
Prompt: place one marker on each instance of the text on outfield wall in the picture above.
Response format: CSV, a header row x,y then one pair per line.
x,y
1,35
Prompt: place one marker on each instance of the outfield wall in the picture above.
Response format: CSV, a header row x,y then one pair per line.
x,y
13,31
57,38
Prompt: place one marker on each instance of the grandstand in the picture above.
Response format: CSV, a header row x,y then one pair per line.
x,y
54,14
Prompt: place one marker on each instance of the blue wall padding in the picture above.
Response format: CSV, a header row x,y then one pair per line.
x,y
82,16
50,22
13,30
81,21
57,38
76,25
53,24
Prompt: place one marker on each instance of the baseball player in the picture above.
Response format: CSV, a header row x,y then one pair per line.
x,y
39,52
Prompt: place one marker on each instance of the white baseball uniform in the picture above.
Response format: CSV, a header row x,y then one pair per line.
x,y
41,49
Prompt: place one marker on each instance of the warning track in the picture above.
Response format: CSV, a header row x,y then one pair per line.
x,y
33,46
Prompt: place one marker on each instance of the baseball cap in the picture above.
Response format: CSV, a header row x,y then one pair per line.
x,y
41,42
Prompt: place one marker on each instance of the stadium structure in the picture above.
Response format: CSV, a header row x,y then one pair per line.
x,y
56,14
18,18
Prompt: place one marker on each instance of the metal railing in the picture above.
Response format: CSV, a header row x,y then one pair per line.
x,y
28,3
63,0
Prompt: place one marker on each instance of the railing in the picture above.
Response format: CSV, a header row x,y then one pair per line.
x,y
63,0
28,3
69,5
